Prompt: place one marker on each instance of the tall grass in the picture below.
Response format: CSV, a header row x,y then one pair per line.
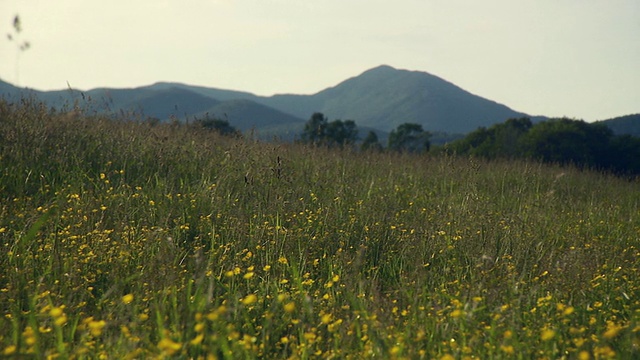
x,y
126,239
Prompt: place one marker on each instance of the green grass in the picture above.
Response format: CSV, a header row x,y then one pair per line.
x,y
124,239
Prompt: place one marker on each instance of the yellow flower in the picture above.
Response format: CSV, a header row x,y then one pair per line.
x,y
508,334
613,330
579,341
169,346
457,313
584,355
197,340
290,307
199,327
56,312
335,325
250,299
568,311
29,336
60,320
604,352
508,349
127,299
547,334
95,327
9,350
447,357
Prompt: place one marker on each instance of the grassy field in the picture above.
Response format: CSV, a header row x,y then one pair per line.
x,y
129,240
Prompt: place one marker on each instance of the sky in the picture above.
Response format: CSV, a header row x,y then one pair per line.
x,y
574,58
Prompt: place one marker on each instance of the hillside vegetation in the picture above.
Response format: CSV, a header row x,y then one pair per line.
x,y
126,239
565,141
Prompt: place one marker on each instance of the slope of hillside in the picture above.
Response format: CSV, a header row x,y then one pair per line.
x,y
219,94
624,125
380,98
384,98
171,102
6,88
246,115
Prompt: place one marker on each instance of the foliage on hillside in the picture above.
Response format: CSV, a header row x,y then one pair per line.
x,y
562,141
132,240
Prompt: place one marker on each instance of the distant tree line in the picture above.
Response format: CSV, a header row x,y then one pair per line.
x,y
563,141
318,130
220,126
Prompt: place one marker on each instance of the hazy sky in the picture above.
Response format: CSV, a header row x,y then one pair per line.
x,y
576,58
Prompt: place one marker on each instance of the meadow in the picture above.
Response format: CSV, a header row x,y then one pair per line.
x,y
131,240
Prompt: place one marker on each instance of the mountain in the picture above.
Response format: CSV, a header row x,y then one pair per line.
x,y
171,102
246,115
385,97
220,94
380,99
6,88
624,125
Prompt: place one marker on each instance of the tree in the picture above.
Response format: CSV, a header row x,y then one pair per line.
x,y
625,155
341,133
568,141
500,140
318,130
371,142
218,125
409,137
315,128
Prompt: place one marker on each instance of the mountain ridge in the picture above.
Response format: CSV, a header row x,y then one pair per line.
x,y
380,98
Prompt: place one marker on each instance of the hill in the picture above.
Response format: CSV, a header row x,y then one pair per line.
x,y
624,125
385,97
248,115
381,98
170,102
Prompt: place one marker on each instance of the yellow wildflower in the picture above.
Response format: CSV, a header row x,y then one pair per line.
x,y
127,299
290,307
95,327
584,355
547,334
612,331
250,299
169,346
508,349
9,350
